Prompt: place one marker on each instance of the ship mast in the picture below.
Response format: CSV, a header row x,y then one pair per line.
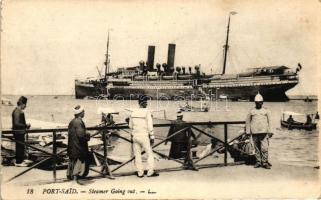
x,y
107,59
226,43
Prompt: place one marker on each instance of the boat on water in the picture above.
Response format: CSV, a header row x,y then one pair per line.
x,y
167,82
298,125
293,120
193,109
307,99
44,141
6,102
188,108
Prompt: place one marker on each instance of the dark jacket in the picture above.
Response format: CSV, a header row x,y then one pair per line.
x,y
181,137
18,120
77,140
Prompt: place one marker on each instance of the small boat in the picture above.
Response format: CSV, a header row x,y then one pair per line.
x,y
293,120
243,99
44,141
188,108
308,99
6,102
298,125
223,96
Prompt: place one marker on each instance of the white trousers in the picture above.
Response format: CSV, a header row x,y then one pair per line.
x,y
140,143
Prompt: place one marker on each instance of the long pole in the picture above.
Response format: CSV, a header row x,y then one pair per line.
x,y
107,58
226,44
225,144
54,152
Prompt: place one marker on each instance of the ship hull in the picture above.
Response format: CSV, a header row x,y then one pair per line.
x,y
273,92
88,90
153,93
276,92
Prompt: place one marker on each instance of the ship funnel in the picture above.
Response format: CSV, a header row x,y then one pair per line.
x,y
171,57
150,57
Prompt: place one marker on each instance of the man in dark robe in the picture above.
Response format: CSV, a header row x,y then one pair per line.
x,y
19,126
181,143
77,151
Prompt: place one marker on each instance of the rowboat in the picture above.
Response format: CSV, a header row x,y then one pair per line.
x,y
293,120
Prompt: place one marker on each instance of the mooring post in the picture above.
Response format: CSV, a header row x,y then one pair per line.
x,y
54,152
225,144
105,167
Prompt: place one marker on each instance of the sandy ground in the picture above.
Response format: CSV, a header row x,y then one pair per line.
x,y
235,181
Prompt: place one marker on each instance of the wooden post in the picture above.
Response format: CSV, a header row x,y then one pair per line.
x,y
225,144
105,154
188,162
54,152
26,146
105,167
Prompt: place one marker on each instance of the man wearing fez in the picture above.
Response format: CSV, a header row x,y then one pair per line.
x,y
181,143
77,149
258,125
141,123
19,126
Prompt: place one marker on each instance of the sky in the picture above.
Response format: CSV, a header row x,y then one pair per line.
x,y
46,45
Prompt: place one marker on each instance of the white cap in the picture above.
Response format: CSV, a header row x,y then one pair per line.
x,y
78,109
179,113
258,97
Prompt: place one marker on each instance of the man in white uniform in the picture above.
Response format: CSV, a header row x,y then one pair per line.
x,y
258,124
141,123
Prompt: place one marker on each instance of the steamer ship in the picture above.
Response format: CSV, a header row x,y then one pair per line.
x,y
166,82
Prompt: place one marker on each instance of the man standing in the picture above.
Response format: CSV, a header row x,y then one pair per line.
x,y
141,123
77,149
258,124
19,126
181,143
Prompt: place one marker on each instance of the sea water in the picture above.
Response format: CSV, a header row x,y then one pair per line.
x,y
293,147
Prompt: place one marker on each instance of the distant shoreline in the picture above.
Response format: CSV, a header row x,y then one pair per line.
x,y
291,97
303,97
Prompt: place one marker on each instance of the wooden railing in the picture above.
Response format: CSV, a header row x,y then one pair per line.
x,y
103,130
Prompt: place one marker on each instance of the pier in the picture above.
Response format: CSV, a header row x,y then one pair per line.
x,y
217,176
106,170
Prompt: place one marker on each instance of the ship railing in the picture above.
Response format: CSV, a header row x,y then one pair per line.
x,y
179,82
267,77
248,80
160,78
158,83
240,78
253,82
108,131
